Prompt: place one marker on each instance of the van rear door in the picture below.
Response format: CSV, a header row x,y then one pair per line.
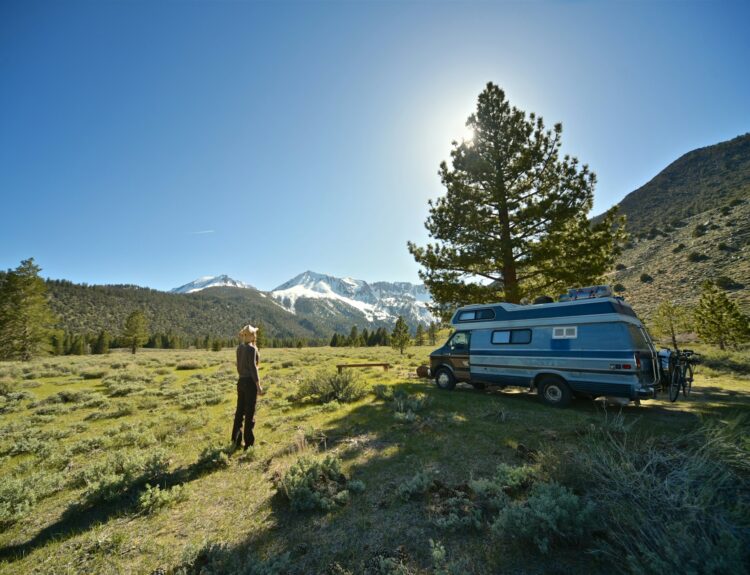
x,y
644,353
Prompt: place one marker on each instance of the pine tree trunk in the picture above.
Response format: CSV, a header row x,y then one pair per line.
x,y
510,279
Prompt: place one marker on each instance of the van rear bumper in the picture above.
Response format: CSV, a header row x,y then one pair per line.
x,y
646,393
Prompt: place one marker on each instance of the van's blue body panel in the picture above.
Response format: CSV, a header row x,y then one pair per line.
x,y
598,355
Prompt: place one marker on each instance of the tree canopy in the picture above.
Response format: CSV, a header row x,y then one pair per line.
x,y
400,337
513,222
718,320
136,330
25,316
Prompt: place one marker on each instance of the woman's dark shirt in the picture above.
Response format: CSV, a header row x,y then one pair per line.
x,y
247,357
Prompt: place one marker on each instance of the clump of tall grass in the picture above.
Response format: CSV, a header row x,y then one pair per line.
x,y
671,506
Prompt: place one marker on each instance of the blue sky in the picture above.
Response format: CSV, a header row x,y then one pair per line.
x,y
154,142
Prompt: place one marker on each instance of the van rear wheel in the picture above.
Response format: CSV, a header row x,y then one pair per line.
x,y
444,378
554,391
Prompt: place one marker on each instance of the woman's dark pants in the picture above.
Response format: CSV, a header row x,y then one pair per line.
x,y
247,394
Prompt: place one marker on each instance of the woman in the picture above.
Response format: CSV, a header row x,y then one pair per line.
x,y
248,387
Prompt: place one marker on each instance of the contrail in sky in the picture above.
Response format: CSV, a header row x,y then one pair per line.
x,y
202,232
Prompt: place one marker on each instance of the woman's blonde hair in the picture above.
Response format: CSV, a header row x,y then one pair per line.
x,y
248,334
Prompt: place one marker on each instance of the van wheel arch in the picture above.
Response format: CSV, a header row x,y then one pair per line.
x,y
444,377
553,390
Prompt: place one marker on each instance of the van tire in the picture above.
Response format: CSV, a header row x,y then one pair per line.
x,y
554,391
444,378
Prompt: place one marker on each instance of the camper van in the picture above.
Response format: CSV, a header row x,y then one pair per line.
x,y
589,345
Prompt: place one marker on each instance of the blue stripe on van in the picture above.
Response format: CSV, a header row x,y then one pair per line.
x,y
595,388
552,353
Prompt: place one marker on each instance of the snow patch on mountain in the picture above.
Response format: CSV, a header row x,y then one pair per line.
x,y
204,282
377,302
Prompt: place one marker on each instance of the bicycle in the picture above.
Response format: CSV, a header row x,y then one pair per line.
x,y
681,368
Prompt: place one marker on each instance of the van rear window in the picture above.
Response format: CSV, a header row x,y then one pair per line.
x,y
637,336
476,315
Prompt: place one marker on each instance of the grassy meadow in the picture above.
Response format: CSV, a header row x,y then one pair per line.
x,y
121,464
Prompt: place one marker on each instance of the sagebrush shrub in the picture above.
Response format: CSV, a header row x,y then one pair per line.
x,y
17,498
155,498
120,472
384,392
415,486
551,514
214,457
458,513
221,559
325,386
189,364
317,484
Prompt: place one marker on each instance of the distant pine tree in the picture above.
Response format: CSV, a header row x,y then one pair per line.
x,y
400,337
101,346
718,320
353,339
25,316
135,333
669,320
419,336
432,332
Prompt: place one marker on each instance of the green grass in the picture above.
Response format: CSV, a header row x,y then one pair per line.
x,y
129,471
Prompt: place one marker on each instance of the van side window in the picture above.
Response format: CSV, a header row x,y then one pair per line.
x,y
476,315
565,332
511,336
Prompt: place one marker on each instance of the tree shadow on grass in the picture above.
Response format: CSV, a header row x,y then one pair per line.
x,y
83,515
454,438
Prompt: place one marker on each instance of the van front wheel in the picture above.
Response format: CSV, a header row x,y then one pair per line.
x,y
444,378
554,392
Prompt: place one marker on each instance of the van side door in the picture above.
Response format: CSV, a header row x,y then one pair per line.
x,y
458,354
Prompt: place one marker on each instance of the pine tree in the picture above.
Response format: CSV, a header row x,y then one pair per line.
x,y
669,320
718,320
136,331
513,222
101,346
25,316
261,339
400,337
432,332
353,339
419,336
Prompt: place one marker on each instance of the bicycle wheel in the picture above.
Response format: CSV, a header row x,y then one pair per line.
x,y
675,383
687,383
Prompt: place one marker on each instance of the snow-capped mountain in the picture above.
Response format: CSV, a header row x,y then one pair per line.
x,y
210,281
326,296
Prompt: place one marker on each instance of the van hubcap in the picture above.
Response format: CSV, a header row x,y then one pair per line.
x,y
553,393
443,379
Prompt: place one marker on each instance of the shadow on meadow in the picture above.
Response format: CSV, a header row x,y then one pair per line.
x,y
85,514
455,437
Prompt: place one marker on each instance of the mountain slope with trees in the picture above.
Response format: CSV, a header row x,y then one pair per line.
x,y
218,312
701,180
673,265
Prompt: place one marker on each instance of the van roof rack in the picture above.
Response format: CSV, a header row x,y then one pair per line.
x,y
588,292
